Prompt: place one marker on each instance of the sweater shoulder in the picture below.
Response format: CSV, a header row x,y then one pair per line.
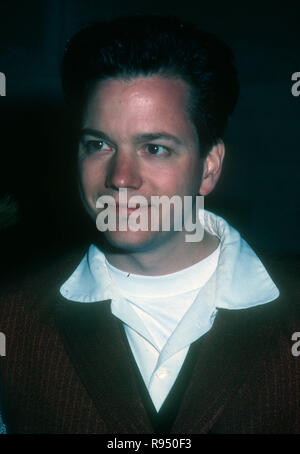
x,y
33,290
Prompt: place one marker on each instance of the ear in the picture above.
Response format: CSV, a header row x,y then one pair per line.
x,y
212,168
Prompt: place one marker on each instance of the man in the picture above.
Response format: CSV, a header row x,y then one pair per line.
x,y
148,331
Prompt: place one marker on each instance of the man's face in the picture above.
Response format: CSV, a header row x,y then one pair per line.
x,y
138,135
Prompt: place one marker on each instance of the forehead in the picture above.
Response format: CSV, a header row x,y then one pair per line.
x,y
141,101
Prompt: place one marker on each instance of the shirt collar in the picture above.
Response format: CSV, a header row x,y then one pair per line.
x,y
241,280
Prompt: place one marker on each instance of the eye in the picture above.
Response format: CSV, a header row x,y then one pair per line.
x,y
92,146
155,149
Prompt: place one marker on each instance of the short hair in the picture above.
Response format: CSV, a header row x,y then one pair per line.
x,y
134,46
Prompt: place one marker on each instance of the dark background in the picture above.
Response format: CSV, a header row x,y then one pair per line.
x,y
259,189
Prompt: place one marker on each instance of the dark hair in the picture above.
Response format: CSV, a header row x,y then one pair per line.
x,y
146,45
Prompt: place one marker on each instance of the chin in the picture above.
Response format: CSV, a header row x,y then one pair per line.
x,y
132,241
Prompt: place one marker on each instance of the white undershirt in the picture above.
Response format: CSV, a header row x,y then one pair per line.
x,y
162,301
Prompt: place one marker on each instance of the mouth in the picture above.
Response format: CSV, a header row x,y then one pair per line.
x,y
125,209
121,207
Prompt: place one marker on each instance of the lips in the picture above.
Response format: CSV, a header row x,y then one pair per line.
x,y
122,205
127,209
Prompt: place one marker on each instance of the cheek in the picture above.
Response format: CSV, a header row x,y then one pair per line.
x,y
193,175
90,175
185,179
163,182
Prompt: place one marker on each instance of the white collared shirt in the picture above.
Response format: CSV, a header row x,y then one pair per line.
x,y
232,277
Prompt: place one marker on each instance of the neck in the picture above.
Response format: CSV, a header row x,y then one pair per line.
x,y
166,259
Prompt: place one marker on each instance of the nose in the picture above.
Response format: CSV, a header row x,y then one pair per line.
x,y
123,172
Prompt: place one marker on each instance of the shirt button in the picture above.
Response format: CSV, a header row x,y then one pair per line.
x,y
162,373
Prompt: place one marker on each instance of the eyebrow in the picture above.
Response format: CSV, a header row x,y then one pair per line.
x,y
149,137
95,133
140,138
